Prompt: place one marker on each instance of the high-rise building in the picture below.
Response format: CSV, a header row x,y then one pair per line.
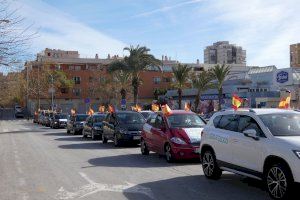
x,y
224,53
295,55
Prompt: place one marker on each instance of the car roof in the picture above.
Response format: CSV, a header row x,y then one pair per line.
x,y
258,111
126,111
176,112
146,111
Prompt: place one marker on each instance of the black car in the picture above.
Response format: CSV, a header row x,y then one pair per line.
x,y
59,121
123,126
93,126
75,123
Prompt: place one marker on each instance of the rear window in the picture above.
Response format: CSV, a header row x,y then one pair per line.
x,y
99,118
81,117
130,118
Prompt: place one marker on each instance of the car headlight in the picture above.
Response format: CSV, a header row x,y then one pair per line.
x,y
97,128
55,122
297,153
177,140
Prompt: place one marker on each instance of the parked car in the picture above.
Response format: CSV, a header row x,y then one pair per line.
x,y
59,121
40,118
47,119
123,126
147,113
259,143
19,112
75,123
176,135
93,126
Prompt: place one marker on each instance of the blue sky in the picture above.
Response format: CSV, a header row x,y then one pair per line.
x,y
178,28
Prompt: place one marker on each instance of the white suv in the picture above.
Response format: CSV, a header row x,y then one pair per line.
x,y
258,143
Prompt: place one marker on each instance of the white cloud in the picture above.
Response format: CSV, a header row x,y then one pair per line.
x,y
58,30
265,28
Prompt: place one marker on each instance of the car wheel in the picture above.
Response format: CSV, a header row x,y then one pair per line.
x,y
104,139
116,141
169,154
144,148
210,166
93,135
279,181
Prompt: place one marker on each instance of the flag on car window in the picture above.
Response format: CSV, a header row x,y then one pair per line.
x,y
187,106
236,101
285,102
166,109
154,107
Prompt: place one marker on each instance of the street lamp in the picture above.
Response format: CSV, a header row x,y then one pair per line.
x,y
52,91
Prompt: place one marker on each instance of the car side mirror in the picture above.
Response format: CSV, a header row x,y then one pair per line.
x,y
251,133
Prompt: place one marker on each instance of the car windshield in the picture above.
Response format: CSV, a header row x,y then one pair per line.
x,y
99,118
60,116
282,124
81,117
130,118
146,114
185,121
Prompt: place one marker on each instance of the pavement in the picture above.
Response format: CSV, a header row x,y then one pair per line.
x,y
39,163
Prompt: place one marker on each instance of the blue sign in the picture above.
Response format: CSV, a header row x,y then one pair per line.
x,y
87,100
282,77
123,102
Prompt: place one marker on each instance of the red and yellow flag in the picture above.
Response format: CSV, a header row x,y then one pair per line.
x,y
73,111
236,102
166,109
90,112
187,107
102,109
136,108
154,107
111,109
285,102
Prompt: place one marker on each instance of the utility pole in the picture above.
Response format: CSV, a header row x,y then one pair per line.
x,y
52,93
27,92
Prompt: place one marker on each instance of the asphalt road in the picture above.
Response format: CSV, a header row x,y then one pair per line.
x,y
41,163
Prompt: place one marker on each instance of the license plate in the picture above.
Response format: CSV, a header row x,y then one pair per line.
x,y
136,137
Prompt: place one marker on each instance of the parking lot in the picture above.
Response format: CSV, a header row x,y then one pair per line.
x,y
42,163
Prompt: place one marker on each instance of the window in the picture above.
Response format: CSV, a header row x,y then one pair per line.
x,y
71,67
76,79
156,80
229,122
159,122
246,123
76,91
152,119
64,90
77,68
217,120
185,121
167,79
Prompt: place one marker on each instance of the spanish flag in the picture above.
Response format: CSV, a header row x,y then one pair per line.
x,y
166,109
236,101
285,102
102,109
187,107
90,112
154,107
136,108
111,109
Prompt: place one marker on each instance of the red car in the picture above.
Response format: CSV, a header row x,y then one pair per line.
x,y
176,135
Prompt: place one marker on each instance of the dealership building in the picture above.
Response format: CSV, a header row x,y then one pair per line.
x,y
259,86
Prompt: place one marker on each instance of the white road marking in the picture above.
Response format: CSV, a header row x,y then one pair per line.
x,y
94,187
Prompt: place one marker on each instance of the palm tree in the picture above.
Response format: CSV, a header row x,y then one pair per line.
x,y
123,79
202,82
137,61
181,75
220,73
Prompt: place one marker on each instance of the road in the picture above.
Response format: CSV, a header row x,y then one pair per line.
x,y
38,163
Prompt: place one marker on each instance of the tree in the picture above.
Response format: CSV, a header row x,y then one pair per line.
x,y
158,92
220,73
181,75
122,79
138,60
15,36
202,82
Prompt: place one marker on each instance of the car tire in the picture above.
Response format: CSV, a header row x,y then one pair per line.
x,y
169,154
279,175
144,148
209,165
116,141
104,139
